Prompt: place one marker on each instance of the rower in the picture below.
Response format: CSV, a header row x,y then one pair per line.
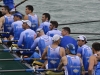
x,y
45,22
67,38
71,62
84,51
42,41
6,21
53,51
53,29
16,27
32,17
27,36
94,64
9,3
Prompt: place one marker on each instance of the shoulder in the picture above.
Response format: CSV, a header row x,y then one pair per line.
x,y
62,49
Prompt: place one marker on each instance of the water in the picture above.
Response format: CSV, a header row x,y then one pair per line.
x,y
66,11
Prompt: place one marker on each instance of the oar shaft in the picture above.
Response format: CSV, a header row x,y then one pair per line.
x,y
7,50
87,33
26,59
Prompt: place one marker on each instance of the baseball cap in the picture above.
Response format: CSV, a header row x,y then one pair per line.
x,y
56,37
27,21
18,14
71,47
38,30
82,37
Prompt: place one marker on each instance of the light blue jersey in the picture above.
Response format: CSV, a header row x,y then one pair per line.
x,y
47,42
53,32
85,52
45,26
16,29
34,21
9,3
7,25
26,38
96,70
53,53
73,66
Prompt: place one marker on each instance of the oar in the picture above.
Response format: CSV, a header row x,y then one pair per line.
x,y
79,22
4,32
20,59
86,33
20,3
9,40
93,39
28,70
7,50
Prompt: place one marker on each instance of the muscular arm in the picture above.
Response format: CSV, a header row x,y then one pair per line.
x,y
20,41
91,65
62,62
62,51
1,22
34,45
44,53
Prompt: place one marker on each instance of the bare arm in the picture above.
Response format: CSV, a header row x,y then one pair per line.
x,y
62,51
44,53
62,62
1,22
91,65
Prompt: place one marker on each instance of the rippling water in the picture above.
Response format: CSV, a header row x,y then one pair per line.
x,y
66,11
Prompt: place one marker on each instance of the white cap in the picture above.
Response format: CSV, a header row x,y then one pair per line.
x,y
27,21
56,37
82,37
38,30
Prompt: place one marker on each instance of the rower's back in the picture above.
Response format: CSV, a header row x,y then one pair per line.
x,y
86,53
73,66
28,36
53,53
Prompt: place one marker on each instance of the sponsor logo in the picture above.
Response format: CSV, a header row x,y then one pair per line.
x,y
75,71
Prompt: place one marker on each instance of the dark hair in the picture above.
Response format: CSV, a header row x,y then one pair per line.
x,y
54,23
96,46
47,15
67,29
30,7
6,8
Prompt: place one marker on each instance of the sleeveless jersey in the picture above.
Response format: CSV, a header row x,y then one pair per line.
x,y
74,65
34,21
17,29
53,53
86,53
43,42
96,70
7,25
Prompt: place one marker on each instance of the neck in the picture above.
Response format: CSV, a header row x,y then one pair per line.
x,y
95,52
